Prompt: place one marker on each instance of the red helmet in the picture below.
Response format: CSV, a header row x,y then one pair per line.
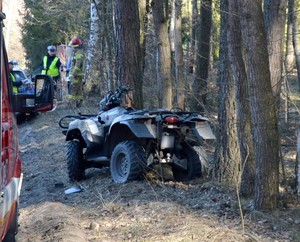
x,y
75,42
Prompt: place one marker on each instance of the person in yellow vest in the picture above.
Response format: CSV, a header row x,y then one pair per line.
x,y
16,84
77,71
51,65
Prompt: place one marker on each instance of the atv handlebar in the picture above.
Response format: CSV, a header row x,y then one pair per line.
x,y
113,99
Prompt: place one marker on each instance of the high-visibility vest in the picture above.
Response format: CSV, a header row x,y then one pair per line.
x,y
15,89
52,70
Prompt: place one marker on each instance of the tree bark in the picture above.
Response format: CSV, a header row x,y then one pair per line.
x,y
262,105
227,155
144,9
239,75
297,165
296,36
179,69
194,28
275,20
128,58
289,53
109,74
94,50
203,56
165,80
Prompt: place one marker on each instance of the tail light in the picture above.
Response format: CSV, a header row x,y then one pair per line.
x,y
171,119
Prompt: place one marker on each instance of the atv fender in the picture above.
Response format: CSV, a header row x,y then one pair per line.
x,y
87,131
140,127
203,131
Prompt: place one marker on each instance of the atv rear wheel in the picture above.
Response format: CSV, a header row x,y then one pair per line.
x,y
75,161
127,162
193,165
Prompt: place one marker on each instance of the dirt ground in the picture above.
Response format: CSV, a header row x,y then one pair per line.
x,y
148,210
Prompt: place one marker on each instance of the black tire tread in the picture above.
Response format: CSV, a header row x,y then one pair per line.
x,y
194,166
74,158
137,158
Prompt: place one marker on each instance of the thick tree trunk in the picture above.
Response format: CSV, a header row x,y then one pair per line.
x,y
262,105
165,80
227,155
239,75
128,59
275,20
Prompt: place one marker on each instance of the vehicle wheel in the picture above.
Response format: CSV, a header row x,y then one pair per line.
x,y
127,162
75,163
193,165
13,229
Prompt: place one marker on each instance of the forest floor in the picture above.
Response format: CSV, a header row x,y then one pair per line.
x,y
147,210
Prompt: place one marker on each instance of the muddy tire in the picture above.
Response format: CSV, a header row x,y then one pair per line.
x,y
75,163
127,162
193,165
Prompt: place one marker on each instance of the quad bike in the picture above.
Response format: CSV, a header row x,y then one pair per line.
x,y
132,141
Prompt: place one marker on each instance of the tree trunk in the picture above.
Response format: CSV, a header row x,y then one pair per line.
x,y
227,156
94,50
165,80
128,59
275,20
109,73
289,53
296,36
179,69
144,10
203,56
262,105
239,75
297,166
194,28
172,38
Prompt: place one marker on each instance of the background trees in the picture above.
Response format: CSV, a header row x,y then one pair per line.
x,y
52,23
176,53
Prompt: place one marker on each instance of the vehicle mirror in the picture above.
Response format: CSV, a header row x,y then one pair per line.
x,y
41,99
44,92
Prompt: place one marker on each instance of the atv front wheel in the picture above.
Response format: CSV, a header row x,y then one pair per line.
x,y
193,165
75,161
127,162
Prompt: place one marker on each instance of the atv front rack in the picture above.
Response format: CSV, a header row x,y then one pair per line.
x,y
66,120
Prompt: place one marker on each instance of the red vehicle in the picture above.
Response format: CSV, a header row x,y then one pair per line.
x,y
11,164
